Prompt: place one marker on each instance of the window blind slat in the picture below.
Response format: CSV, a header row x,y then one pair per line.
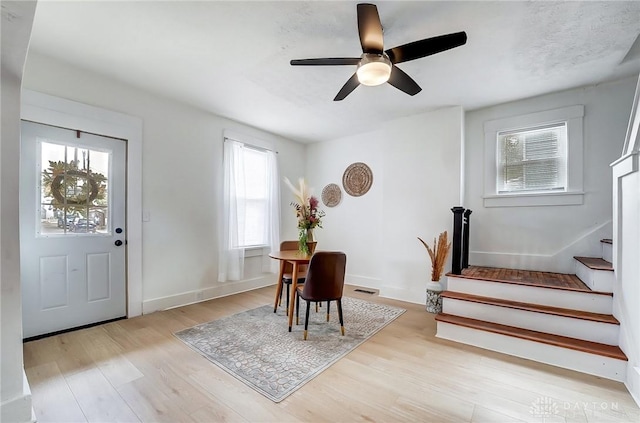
x,y
532,159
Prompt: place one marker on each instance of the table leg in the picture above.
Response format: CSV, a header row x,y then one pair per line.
x,y
294,289
279,288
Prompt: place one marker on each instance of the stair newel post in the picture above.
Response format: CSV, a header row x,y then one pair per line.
x,y
465,239
456,254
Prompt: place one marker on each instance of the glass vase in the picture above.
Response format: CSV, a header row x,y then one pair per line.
x,y
306,242
303,247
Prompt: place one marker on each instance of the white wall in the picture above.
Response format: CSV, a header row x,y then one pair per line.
x,y
627,288
416,180
546,238
15,399
181,180
626,248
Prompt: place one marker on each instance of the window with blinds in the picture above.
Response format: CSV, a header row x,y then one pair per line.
x,y
532,159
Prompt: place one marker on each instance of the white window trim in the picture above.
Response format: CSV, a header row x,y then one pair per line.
x,y
574,194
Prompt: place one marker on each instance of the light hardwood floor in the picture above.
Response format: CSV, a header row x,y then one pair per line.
x,y
136,370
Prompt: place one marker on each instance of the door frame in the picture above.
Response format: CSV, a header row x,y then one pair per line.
x,y
56,111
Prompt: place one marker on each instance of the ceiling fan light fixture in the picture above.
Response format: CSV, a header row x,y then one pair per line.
x,y
374,69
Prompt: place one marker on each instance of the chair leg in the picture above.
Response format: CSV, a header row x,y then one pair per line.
x,y
316,306
339,302
297,308
288,298
278,300
328,302
306,320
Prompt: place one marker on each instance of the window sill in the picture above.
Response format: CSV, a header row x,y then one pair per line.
x,y
535,199
255,251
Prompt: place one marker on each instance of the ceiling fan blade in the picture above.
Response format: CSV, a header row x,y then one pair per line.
x,y
426,47
403,82
347,88
370,28
330,61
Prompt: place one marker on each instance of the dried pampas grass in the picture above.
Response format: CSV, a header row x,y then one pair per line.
x,y
438,255
302,193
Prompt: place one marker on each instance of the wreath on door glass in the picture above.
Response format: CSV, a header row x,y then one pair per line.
x,y
63,183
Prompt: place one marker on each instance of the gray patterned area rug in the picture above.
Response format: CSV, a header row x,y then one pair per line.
x,y
255,346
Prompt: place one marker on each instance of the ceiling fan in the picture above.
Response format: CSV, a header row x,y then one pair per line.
x,y
377,66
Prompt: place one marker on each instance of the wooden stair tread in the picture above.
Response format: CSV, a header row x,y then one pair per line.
x,y
595,263
530,335
550,280
607,241
537,308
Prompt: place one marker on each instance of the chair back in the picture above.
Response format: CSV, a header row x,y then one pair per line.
x,y
325,276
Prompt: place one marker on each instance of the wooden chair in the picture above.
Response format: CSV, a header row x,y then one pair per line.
x,y
324,282
287,277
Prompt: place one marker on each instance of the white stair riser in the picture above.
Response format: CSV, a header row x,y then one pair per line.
x,y
575,300
587,330
607,252
593,364
597,280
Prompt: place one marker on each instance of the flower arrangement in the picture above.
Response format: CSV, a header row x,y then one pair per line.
x,y
438,254
307,211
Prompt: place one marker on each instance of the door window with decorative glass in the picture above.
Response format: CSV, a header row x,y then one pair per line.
x,y
74,192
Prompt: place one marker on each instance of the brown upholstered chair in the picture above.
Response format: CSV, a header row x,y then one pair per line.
x,y
288,270
324,282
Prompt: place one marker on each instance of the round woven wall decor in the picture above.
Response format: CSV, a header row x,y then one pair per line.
x,y
331,195
357,179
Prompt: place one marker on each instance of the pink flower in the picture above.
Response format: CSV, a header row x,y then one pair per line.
x,y
309,216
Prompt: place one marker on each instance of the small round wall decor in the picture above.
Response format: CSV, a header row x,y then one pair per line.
x,y
357,179
331,195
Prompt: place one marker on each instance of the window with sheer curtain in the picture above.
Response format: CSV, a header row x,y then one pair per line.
x,y
532,159
251,212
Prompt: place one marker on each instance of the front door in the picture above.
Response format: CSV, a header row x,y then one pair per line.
x,y
72,228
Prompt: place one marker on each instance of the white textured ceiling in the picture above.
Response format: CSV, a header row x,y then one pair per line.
x,y
232,58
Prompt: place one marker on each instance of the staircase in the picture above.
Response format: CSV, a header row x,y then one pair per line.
x,y
558,319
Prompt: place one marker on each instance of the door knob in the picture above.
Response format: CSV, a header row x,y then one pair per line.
x,y
118,243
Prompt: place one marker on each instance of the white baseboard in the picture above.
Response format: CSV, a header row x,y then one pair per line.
x,y
386,291
363,281
629,345
18,409
191,297
231,288
405,295
633,383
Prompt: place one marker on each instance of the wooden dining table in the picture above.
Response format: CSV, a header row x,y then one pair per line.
x,y
296,258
